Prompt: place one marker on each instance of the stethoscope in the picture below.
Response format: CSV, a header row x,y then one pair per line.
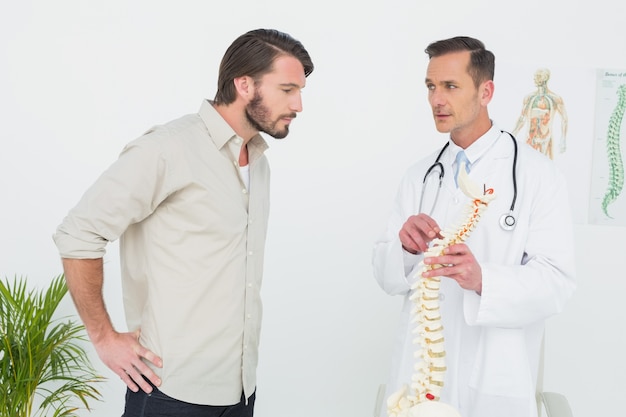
x,y
507,220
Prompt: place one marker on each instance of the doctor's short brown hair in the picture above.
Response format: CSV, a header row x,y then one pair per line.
x,y
482,61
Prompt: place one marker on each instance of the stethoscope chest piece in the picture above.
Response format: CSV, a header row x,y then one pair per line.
x,y
507,221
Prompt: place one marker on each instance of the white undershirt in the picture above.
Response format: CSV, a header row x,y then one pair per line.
x,y
245,175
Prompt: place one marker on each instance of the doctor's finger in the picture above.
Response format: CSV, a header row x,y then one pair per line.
x,y
444,260
458,272
440,270
458,249
412,240
427,225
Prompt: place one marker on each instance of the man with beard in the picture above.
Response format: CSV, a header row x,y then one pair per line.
x,y
189,202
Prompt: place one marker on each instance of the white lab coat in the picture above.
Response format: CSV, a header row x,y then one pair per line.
x,y
493,340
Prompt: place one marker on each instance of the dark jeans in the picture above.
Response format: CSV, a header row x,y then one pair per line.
x,y
157,404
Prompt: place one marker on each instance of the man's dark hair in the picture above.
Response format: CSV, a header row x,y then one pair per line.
x,y
253,54
482,62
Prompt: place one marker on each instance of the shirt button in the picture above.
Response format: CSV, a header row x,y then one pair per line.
x,y
249,285
249,316
244,191
237,141
250,253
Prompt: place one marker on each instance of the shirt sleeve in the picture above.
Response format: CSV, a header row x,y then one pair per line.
x,y
127,192
392,265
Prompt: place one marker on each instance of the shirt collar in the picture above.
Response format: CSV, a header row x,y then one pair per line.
x,y
480,146
477,149
221,132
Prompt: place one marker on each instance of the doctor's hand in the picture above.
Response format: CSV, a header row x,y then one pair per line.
x,y
124,355
457,263
417,232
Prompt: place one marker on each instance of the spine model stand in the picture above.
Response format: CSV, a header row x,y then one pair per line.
x,y
422,399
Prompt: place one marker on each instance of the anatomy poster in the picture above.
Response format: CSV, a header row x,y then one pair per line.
x,y
550,108
607,204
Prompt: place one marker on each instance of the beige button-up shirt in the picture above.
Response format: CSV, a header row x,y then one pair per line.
x,y
192,240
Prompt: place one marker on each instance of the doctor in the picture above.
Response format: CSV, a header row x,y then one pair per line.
x,y
514,271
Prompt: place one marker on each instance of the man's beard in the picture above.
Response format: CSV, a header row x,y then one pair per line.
x,y
258,116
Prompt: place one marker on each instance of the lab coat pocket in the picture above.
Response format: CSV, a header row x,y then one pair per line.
x,y
501,366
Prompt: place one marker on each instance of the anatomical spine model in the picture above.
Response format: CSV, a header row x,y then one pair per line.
x,y
422,399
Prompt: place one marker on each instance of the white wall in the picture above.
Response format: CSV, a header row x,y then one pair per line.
x,y
80,79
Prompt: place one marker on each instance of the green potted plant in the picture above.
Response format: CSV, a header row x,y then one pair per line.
x,y
44,368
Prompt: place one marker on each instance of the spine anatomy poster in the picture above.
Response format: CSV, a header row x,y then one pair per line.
x,y
607,204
